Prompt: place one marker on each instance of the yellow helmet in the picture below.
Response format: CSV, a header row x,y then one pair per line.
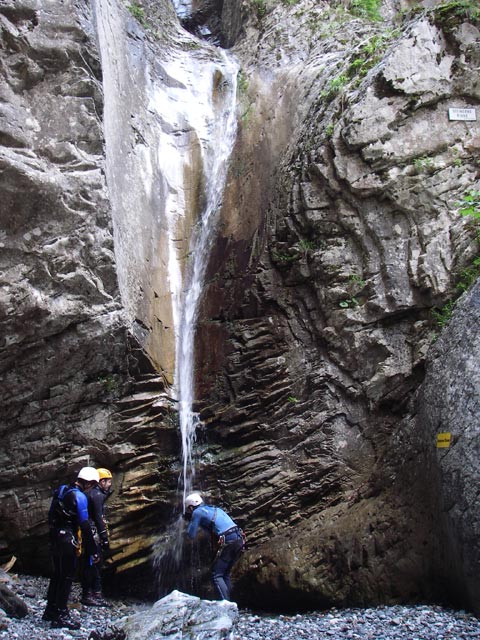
x,y
104,473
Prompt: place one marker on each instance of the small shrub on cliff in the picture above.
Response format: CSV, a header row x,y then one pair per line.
x,y
441,316
109,382
424,165
260,8
470,205
369,54
334,87
469,276
366,9
450,14
138,13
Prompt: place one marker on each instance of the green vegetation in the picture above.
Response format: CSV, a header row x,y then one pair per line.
x,y
191,45
108,382
366,9
424,164
469,276
442,316
296,252
289,3
357,280
348,302
138,12
468,206
292,399
334,87
306,245
457,161
369,54
355,285
242,82
450,14
284,257
260,7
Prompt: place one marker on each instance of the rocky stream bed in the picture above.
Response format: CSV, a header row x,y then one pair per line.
x,y
421,622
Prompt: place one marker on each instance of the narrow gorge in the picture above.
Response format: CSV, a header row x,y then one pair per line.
x,y
239,250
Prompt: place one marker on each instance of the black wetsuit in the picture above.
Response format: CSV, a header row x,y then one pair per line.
x,y
67,516
91,572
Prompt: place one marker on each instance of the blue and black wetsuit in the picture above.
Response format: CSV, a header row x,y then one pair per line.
x,y
214,520
67,516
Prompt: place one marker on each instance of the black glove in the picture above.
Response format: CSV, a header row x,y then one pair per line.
x,y
106,551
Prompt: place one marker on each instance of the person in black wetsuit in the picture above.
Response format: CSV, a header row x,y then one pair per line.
x,y
229,538
68,514
91,571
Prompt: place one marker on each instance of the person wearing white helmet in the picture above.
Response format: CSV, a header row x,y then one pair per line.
x,y
230,538
68,513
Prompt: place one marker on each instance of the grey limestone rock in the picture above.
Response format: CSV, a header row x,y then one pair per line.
x,y
182,616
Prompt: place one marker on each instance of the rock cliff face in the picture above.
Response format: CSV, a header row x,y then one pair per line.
x,y
67,355
445,406
339,233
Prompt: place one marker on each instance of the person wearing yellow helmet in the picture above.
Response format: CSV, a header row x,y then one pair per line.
x,y
91,572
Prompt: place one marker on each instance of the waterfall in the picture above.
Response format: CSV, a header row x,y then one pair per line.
x,y
208,108
216,150
201,99
170,126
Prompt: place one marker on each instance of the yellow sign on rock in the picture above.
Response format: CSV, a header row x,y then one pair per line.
x,y
443,440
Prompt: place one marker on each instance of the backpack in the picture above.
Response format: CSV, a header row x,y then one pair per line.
x,y
61,514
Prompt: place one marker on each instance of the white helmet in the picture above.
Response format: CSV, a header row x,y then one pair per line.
x,y
193,500
89,474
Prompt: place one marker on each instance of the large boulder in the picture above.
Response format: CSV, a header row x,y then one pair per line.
x,y
181,616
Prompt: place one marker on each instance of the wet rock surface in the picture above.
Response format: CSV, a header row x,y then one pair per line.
x,y
340,235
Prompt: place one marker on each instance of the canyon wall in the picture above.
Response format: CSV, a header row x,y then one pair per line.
x,y
319,389
340,235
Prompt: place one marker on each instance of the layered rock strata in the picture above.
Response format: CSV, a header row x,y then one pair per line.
x,y
339,234
68,353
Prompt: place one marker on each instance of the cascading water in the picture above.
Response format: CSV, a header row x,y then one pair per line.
x,y
208,107
200,100
216,144
169,128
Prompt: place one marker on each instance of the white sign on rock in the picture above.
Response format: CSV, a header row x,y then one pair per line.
x,y
468,115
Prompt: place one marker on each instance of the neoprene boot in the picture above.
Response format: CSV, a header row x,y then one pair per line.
x,y
50,613
99,600
64,620
88,599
